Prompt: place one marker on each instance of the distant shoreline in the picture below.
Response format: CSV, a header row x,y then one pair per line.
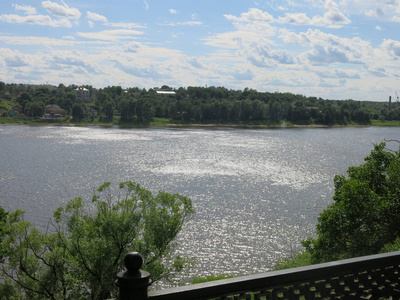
x,y
171,123
198,125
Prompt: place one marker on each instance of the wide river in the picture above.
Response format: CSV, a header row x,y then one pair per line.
x,y
257,193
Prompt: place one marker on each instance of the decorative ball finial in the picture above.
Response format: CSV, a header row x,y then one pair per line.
x,y
133,261
133,283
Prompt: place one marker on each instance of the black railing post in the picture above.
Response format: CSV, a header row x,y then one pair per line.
x,y
133,283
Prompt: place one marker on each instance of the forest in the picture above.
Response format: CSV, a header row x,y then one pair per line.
x,y
113,104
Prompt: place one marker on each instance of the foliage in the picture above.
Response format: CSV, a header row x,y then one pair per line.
x,y
390,247
3,232
198,105
77,112
299,260
365,214
209,278
85,251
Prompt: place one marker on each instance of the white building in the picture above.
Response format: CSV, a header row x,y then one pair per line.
x,y
82,94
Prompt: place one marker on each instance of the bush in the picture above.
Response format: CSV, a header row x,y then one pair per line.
x,y
81,259
299,260
365,215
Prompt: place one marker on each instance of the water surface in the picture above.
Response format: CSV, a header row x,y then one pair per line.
x,y
257,193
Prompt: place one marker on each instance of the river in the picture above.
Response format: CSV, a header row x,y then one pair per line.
x,y
257,193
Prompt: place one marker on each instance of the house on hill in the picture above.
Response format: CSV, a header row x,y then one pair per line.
x,y
82,94
54,112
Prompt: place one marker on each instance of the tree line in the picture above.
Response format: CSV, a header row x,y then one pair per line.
x,y
197,105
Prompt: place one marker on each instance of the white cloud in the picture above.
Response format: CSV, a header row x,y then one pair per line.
x,y
15,59
69,37
333,17
188,23
241,75
263,56
396,19
45,41
392,48
328,48
295,18
252,28
328,55
383,9
378,71
253,15
133,47
100,18
173,11
28,10
35,19
72,59
96,17
61,10
125,25
338,73
377,12
146,5
149,52
111,35
91,24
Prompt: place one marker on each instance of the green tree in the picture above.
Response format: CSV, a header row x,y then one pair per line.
x,y
108,110
127,108
77,111
24,97
365,215
34,109
3,218
81,258
144,110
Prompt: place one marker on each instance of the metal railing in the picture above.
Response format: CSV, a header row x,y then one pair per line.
x,y
368,277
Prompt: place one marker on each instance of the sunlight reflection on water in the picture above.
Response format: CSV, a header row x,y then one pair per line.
x,y
257,193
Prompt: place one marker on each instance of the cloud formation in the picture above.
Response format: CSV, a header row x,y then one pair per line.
x,y
111,35
61,10
333,17
96,17
326,48
28,10
36,20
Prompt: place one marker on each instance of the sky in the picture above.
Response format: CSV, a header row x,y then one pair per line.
x,y
333,49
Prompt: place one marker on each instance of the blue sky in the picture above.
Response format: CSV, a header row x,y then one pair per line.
x,y
334,49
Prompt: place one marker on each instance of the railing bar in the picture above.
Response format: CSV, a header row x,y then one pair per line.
x,y
278,278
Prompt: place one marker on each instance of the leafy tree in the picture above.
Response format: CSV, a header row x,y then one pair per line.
x,y
77,111
108,110
24,97
34,109
127,109
82,256
144,110
361,116
3,218
365,215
